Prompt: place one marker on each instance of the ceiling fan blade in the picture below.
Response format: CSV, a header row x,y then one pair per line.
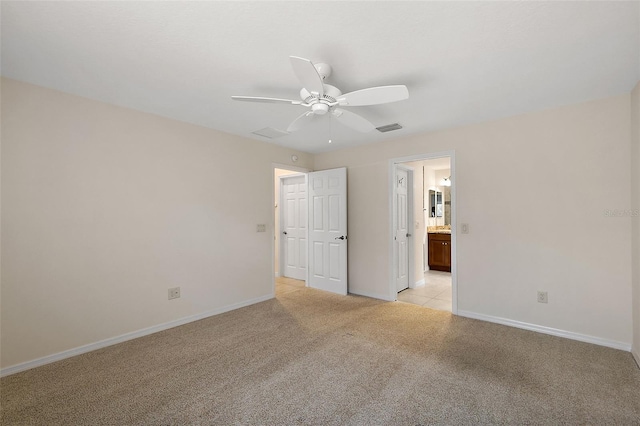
x,y
353,120
308,75
265,100
300,121
374,96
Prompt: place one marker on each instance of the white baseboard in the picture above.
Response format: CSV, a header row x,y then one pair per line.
x,y
127,336
419,283
548,330
372,295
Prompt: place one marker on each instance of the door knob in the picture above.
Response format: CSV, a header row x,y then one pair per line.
x,y
341,237
284,232
408,235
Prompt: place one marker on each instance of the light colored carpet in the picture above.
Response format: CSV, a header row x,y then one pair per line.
x,y
308,357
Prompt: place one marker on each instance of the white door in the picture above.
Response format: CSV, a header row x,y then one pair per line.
x,y
294,227
328,230
401,229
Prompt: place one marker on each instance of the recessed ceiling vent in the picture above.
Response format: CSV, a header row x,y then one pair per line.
x,y
270,133
389,128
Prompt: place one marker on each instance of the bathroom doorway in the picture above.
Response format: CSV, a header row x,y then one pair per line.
x,y
431,235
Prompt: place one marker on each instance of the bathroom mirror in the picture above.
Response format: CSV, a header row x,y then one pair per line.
x,y
435,204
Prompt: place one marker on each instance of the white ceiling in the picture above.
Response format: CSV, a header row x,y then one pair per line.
x,y
463,62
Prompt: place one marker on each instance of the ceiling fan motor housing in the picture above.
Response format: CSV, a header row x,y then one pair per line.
x,y
321,105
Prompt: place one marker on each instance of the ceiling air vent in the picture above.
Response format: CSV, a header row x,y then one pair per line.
x,y
389,127
270,133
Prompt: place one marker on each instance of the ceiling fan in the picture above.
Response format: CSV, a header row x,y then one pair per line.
x,y
321,98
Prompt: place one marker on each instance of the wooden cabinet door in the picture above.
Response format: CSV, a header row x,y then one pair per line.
x,y
436,253
440,252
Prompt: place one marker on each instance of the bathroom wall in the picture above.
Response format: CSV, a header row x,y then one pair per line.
x,y
446,197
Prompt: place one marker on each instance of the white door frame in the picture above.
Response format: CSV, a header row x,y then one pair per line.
x,y
392,292
410,225
281,265
275,166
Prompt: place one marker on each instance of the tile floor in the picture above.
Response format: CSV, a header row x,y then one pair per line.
x,y
286,285
435,294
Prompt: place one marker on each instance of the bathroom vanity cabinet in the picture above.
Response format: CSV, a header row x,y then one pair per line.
x,y
439,251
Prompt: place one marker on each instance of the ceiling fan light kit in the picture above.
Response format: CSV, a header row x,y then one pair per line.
x,y
320,108
322,99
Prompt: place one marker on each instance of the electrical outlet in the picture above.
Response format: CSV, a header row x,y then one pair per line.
x,y
542,297
174,293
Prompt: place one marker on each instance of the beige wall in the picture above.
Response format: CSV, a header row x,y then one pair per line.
x,y
635,196
105,208
549,172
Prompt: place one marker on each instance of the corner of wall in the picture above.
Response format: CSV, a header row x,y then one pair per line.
x,y
635,220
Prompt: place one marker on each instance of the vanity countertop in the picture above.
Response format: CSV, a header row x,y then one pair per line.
x,y
438,231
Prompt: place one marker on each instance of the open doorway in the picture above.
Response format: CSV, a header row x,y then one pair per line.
x,y
310,228
289,225
292,212
430,214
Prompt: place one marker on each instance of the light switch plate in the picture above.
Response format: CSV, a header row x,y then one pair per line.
x,y
465,228
261,227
